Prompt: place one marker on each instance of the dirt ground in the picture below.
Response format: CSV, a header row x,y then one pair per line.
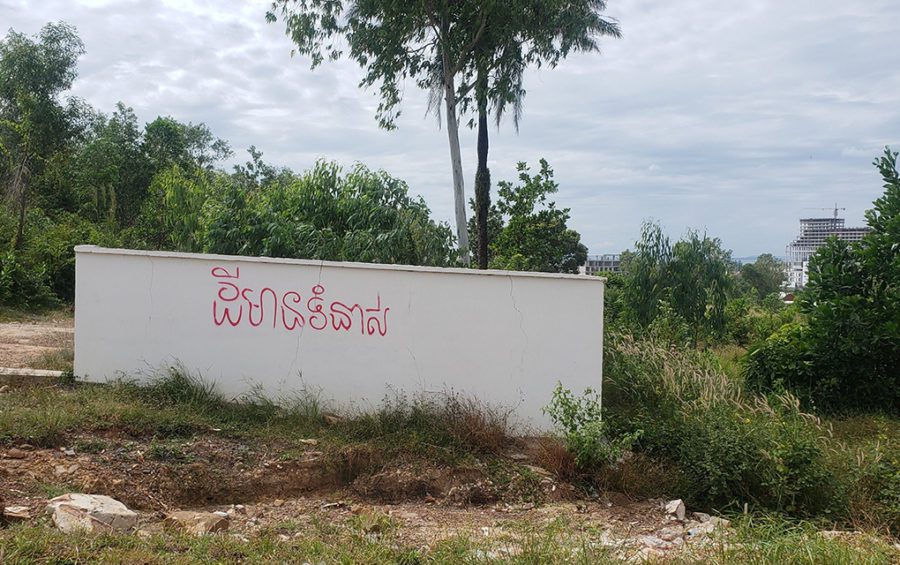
x,y
262,490
26,342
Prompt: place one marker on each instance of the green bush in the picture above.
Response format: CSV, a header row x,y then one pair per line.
x,y
585,434
689,278
22,285
324,213
786,354
846,356
51,243
729,448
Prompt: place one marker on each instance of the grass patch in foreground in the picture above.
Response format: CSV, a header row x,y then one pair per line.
x,y
177,405
355,541
754,541
771,539
13,314
56,360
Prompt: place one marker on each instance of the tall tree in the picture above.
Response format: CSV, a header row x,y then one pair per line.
x,y
33,122
469,53
765,275
689,279
531,232
169,142
111,171
428,41
520,34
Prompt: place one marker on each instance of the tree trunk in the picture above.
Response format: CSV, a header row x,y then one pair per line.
x,y
19,190
459,192
482,175
19,240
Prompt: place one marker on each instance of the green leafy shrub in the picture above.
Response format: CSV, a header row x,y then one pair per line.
x,y
691,277
22,285
530,232
728,447
787,352
51,243
847,354
580,420
324,213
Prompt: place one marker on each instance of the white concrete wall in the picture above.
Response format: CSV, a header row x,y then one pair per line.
x,y
504,337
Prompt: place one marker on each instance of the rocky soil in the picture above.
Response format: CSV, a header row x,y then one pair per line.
x,y
218,486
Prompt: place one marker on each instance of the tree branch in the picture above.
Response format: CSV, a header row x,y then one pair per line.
x,y
468,49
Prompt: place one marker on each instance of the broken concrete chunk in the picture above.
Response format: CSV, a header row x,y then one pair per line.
x,y
701,529
332,419
653,542
670,533
63,470
701,517
196,523
90,512
16,513
675,509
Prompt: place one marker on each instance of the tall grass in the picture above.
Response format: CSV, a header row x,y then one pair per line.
x,y
728,448
448,421
178,404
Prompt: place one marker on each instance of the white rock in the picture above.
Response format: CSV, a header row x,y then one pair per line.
x,y
675,509
196,523
16,513
654,542
90,512
645,554
702,516
701,529
670,533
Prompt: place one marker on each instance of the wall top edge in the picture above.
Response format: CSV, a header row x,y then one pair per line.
x,y
93,249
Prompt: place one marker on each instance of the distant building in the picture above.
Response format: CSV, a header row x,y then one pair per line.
x,y
814,232
610,263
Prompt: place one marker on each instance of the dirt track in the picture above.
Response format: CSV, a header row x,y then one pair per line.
x,y
25,343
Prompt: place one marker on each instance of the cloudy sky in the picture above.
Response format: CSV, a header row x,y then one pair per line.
x,y
733,117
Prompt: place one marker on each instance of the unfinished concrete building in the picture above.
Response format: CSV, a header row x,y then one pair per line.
x,y
814,232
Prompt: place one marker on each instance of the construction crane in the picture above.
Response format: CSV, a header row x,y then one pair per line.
x,y
835,210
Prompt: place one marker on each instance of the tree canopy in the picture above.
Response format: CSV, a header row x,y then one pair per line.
x,y
765,275
529,233
471,54
687,281
33,123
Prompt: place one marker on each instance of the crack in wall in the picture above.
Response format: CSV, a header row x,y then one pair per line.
x,y
416,365
515,306
150,315
303,327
